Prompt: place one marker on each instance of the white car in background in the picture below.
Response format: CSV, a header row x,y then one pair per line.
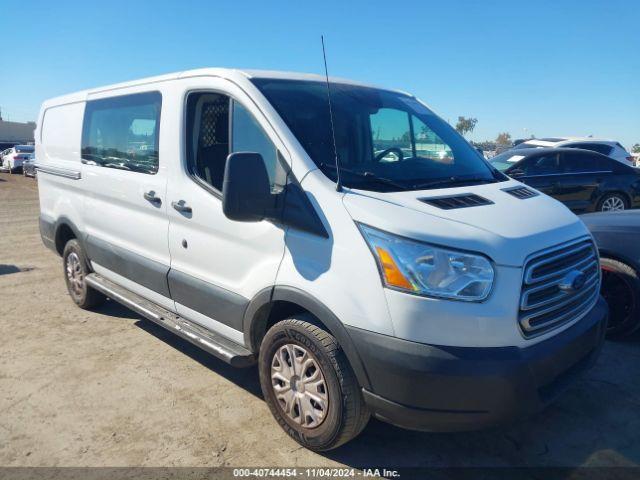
x,y
610,148
13,158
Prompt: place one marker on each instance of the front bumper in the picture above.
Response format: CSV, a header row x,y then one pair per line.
x,y
441,388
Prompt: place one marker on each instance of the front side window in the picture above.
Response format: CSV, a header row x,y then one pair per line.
x,y
248,136
218,126
539,165
123,132
385,141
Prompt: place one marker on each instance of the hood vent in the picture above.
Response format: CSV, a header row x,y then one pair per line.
x,y
521,192
457,201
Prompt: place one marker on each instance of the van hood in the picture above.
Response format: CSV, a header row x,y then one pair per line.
x,y
508,229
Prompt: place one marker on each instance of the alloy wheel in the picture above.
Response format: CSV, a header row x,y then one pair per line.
x,y
612,204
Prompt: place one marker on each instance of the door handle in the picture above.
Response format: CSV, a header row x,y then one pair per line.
x,y
150,196
181,206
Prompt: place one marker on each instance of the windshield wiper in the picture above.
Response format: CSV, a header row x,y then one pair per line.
x,y
369,176
451,181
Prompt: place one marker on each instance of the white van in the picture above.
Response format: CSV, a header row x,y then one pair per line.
x,y
425,288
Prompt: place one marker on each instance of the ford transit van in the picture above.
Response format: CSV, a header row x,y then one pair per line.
x,y
367,259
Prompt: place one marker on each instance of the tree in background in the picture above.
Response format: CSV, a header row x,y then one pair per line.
x,y
466,125
636,148
503,140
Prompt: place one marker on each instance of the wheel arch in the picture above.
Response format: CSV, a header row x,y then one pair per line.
x,y
278,303
65,230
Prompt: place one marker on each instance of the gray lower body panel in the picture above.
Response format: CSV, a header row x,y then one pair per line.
x,y
208,299
47,232
203,297
134,267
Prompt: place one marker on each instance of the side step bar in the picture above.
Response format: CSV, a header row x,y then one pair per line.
x,y
223,348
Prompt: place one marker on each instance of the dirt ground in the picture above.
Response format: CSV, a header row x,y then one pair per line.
x,y
107,388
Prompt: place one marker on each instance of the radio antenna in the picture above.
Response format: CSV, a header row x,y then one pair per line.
x,y
333,132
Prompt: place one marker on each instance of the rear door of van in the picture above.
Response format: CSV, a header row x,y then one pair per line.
x,y
124,155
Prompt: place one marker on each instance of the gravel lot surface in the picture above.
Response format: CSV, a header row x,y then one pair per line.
x,y
107,388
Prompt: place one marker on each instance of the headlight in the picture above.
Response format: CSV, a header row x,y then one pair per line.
x,y
424,269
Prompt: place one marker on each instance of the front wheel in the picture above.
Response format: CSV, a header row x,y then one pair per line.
x,y
309,385
621,290
612,202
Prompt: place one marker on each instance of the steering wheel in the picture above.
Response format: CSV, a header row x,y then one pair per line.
x,y
386,152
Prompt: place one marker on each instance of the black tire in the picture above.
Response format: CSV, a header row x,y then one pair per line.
x,y
73,259
615,197
343,418
621,290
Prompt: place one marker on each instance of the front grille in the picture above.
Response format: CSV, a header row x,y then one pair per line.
x,y
457,201
544,305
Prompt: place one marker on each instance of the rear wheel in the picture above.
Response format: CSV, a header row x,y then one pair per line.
x,y
76,268
309,385
612,202
621,290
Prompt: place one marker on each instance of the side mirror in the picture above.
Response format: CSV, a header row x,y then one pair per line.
x,y
246,190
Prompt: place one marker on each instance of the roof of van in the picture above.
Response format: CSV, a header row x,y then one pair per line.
x,y
229,73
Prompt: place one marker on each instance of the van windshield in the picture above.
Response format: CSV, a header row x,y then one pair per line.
x,y
386,141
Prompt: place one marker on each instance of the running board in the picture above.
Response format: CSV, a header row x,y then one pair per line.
x,y
223,348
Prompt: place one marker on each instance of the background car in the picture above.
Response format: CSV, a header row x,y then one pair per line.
x,y
610,148
29,166
617,234
14,158
3,153
583,180
6,146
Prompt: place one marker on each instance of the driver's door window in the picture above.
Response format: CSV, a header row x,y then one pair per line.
x,y
543,165
429,145
391,133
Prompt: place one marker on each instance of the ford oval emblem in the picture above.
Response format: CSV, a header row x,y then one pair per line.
x,y
573,281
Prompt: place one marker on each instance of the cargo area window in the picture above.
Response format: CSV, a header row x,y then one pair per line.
x,y
123,132
218,126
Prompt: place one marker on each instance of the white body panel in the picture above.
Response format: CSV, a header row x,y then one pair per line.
x,y
115,209
57,138
339,271
242,258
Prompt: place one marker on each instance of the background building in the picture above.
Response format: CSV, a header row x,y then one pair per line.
x,y
16,132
